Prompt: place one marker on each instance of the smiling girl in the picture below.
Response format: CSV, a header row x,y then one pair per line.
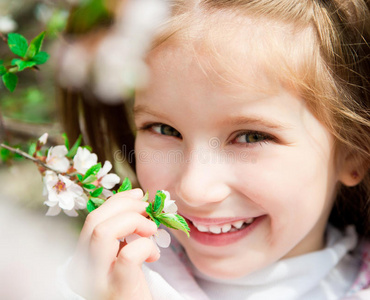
x,y
267,103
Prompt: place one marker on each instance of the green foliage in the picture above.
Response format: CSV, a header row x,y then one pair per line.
x,y
41,58
90,13
174,221
21,64
97,192
126,185
72,152
32,149
31,56
90,206
2,68
35,46
79,177
89,186
17,44
66,140
10,81
92,171
89,179
158,202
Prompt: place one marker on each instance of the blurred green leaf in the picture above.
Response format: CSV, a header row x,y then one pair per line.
x,y
17,44
74,148
35,46
23,64
10,81
41,58
66,140
32,149
2,68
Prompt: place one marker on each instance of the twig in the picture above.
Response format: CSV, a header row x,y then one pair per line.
x,y
26,155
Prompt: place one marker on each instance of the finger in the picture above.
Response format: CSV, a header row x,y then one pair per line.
x,y
104,243
125,201
128,280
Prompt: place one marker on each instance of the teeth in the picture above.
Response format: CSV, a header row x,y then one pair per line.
x,y
238,224
215,229
226,228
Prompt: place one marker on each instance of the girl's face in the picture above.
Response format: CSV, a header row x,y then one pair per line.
x,y
251,169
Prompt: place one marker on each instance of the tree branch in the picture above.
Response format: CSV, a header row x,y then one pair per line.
x,y
26,155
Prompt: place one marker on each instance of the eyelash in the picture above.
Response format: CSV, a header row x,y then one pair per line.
x,y
264,138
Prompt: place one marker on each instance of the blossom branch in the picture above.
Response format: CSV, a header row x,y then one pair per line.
x,y
26,155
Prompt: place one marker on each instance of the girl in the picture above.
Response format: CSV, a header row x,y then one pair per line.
x,y
266,106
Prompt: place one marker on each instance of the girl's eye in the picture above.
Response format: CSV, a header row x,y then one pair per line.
x,y
162,129
251,137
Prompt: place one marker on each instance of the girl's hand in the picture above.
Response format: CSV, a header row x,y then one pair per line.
x,y
105,268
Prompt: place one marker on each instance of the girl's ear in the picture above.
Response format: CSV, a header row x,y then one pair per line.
x,y
353,170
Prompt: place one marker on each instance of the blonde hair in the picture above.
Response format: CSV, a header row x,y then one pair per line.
x,y
330,68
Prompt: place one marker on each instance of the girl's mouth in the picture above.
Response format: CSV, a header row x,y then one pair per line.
x,y
222,235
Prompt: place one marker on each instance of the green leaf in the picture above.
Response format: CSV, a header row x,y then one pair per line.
x,y
17,44
2,68
10,81
72,152
89,186
97,201
114,192
35,46
87,147
149,211
146,197
89,179
22,64
158,202
41,58
80,177
174,221
32,149
5,154
92,171
126,185
66,140
90,206
97,192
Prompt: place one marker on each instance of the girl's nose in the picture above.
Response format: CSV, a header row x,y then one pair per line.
x,y
202,181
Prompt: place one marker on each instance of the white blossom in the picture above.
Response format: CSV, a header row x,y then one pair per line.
x,y
43,139
57,159
106,180
169,205
161,238
7,24
84,160
64,194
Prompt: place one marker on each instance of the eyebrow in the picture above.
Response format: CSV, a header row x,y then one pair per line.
x,y
232,121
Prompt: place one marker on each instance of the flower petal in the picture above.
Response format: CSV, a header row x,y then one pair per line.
x,y
110,180
70,213
43,139
162,238
59,150
107,193
66,200
53,211
105,169
170,207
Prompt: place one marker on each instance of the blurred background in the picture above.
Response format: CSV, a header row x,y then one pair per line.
x,y
101,61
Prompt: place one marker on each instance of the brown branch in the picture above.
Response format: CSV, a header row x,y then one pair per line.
x,y
26,155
